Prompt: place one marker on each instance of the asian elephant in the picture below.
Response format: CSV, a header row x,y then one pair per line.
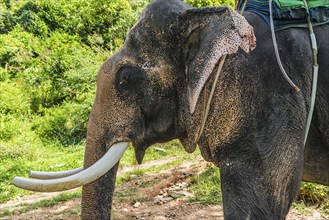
x,y
156,87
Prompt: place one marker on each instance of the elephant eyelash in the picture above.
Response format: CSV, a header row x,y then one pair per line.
x,y
124,80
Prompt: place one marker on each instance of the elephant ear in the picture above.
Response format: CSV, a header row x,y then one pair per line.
x,y
212,33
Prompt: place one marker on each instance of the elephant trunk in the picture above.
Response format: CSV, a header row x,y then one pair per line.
x,y
97,195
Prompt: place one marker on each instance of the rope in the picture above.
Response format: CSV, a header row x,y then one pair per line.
x,y
314,80
315,73
206,112
212,91
315,65
277,51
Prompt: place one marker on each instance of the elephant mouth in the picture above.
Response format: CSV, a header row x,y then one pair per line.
x,y
140,148
65,180
151,137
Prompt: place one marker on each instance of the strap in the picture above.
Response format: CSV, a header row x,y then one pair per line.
x,y
315,73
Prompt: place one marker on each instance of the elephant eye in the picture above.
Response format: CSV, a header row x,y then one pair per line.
x,y
130,77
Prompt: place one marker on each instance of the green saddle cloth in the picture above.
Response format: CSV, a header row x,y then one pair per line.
x,y
298,4
289,13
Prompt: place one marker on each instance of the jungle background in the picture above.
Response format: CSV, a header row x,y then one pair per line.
x,y
50,52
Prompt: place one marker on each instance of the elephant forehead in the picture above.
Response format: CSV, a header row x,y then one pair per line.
x,y
159,22
162,12
162,73
150,40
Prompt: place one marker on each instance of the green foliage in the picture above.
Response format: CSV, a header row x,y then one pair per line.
x,y
109,20
50,52
206,186
66,72
9,127
30,21
7,19
15,52
26,152
65,124
13,100
14,107
203,3
313,193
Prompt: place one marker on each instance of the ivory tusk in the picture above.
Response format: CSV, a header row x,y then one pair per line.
x,y
103,165
53,175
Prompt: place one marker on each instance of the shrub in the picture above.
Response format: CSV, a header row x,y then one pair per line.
x,y
313,193
18,50
13,100
14,107
65,124
7,21
59,69
203,3
9,127
32,23
110,20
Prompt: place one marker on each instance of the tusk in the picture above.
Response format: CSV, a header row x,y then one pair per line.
x,y
103,165
53,175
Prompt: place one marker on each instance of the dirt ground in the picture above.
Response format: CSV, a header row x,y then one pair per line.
x,y
164,196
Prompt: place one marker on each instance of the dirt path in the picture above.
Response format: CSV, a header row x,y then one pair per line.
x,y
164,196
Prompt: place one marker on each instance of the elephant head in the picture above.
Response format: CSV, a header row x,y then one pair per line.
x,y
148,92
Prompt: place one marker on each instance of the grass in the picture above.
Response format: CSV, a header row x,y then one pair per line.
x,y
206,190
27,153
51,158
313,193
22,208
171,148
205,186
54,158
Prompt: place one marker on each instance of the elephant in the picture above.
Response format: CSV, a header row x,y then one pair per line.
x,y
156,87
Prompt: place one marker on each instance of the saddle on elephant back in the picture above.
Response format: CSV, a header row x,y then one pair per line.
x,y
288,13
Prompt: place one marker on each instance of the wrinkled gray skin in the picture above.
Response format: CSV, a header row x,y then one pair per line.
x,y
256,123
